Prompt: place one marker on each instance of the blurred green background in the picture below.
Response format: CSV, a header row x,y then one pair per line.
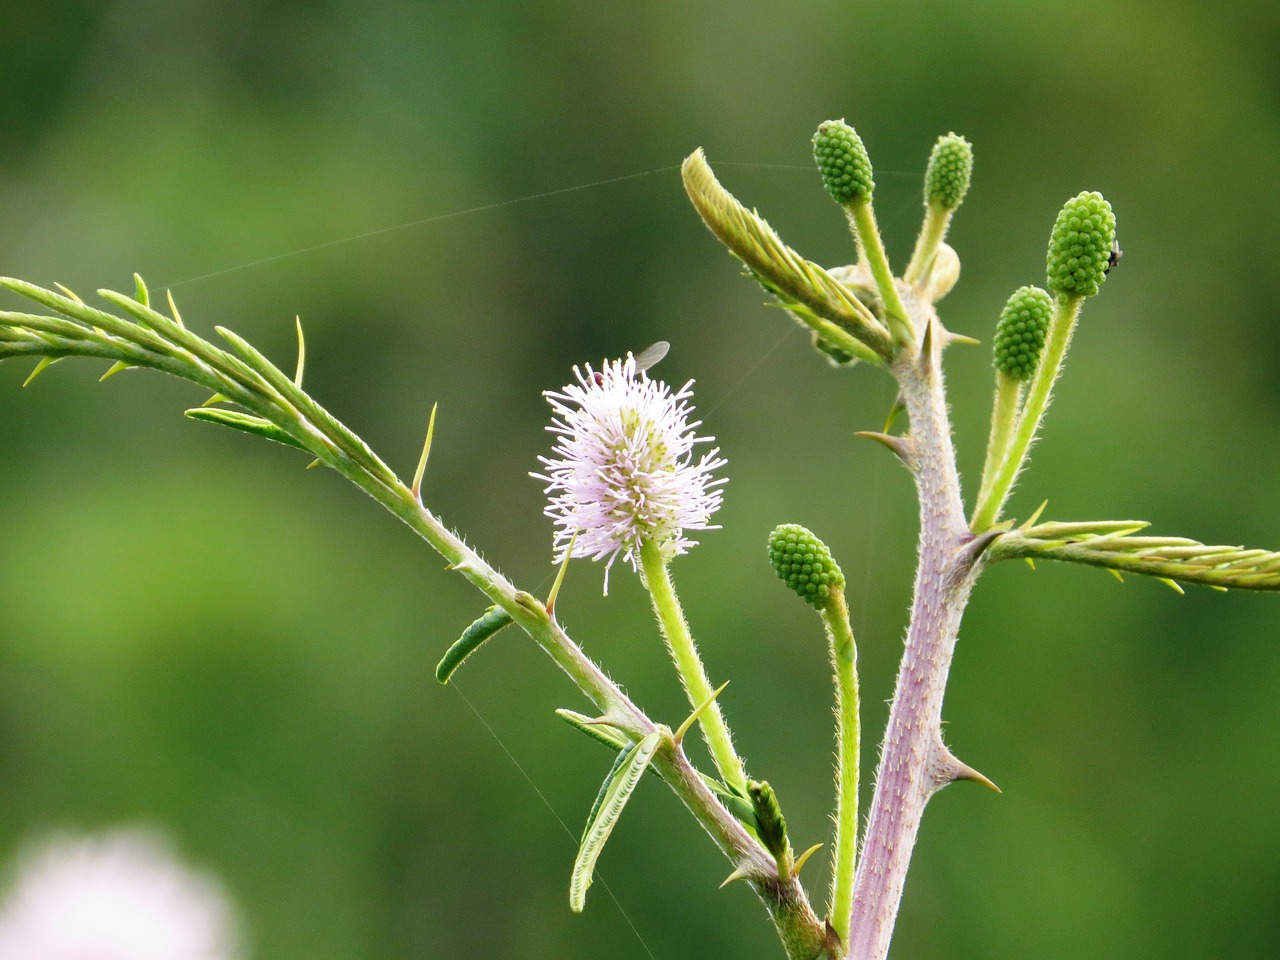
x,y
196,632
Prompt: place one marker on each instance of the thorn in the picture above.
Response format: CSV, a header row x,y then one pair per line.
x,y
898,407
803,858
173,309
426,452
69,292
1116,573
975,548
1030,562
951,338
740,874
44,364
967,772
555,587
833,937
925,358
302,354
898,445
1172,585
216,398
115,368
949,769
313,463
1034,517
678,736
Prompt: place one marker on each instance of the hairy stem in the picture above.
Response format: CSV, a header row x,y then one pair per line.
x,y
1004,419
914,762
844,659
1066,310
693,676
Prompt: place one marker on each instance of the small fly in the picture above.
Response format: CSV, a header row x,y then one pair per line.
x,y
1114,258
645,359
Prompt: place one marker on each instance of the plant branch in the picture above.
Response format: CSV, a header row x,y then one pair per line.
x,y
914,761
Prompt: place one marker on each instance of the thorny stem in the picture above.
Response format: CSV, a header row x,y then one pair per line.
x,y
258,386
914,762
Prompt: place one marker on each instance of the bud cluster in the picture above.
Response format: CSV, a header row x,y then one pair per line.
x,y
843,162
946,179
1020,332
804,564
1081,246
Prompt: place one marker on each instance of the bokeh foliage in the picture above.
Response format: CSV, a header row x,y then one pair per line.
x,y
193,631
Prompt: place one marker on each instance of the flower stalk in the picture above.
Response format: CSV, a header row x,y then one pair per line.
x,y
693,675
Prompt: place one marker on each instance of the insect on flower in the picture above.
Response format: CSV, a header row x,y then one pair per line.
x,y
623,471
645,359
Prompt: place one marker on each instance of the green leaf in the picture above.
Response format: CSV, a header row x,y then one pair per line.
x,y
485,626
617,790
605,733
1113,546
814,297
246,422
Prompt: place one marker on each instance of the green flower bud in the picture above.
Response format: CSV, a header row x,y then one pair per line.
x,y
804,564
950,166
770,825
843,162
1020,332
1081,245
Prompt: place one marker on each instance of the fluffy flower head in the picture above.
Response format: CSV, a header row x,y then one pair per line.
x,y
624,471
119,896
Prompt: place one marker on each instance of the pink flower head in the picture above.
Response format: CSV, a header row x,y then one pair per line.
x,y
119,896
624,472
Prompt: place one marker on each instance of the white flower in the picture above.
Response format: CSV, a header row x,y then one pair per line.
x,y
624,472
119,896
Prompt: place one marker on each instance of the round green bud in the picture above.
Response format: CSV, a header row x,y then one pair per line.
x,y
1081,245
843,162
804,564
1020,332
950,166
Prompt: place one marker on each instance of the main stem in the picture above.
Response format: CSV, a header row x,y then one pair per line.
x,y
914,762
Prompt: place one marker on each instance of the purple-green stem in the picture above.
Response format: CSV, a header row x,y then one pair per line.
x,y
914,761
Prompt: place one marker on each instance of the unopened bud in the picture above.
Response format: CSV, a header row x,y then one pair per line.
x,y
1081,246
843,162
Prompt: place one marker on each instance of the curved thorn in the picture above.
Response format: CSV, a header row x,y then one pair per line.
x,y
739,874
115,368
1172,585
555,587
302,354
898,445
173,309
949,338
216,398
313,463
803,858
426,452
979,545
899,405
44,364
1119,576
678,736
69,292
1031,520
